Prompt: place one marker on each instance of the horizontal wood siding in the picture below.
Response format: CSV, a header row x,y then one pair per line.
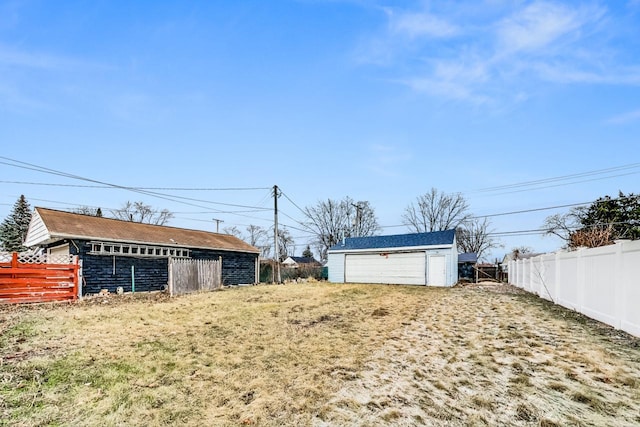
x,y
152,274
27,282
237,267
149,274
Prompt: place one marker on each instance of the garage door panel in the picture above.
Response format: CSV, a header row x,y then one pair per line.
x,y
400,268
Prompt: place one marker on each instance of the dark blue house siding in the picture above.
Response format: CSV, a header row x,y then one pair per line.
x,y
151,274
148,274
237,267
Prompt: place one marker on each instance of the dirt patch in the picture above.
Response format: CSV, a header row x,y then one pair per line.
x,y
490,354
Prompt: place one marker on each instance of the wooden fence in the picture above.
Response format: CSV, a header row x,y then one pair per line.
x,y
28,278
189,275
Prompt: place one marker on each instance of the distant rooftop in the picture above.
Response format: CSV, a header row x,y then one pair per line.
x,y
468,257
304,259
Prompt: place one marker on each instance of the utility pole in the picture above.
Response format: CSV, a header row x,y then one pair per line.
x,y
218,221
358,219
276,267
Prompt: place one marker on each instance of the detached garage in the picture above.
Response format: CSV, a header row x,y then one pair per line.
x,y
404,259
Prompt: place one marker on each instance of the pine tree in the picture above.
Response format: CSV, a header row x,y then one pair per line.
x,y
13,229
307,252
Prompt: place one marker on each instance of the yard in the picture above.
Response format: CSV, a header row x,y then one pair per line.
x,y
316,354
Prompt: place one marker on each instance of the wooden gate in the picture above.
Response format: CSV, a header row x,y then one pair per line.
x,y
30,278
190,275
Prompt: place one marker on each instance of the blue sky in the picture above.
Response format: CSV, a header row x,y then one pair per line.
x,y
379,101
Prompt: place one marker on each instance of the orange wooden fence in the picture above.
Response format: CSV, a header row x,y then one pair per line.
x,y
37,282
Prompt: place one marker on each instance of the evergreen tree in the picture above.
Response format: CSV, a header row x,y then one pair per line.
x,y
307,252
621,213
13,229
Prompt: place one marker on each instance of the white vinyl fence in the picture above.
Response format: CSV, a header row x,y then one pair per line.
x,y
602,283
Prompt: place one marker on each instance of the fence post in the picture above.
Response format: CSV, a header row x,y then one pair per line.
x,y
580,275
170,276
78,263
556,288
619,287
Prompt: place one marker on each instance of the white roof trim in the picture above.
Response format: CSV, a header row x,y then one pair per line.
x,y
394,249
37,233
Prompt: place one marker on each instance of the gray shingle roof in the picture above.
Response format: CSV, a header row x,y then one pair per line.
x,y
468,257
304,260
397,241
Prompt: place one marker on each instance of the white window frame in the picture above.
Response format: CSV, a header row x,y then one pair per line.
x,y
138,251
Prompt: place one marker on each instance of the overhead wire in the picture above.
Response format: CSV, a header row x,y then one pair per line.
x,y
50,184
173,198
557,178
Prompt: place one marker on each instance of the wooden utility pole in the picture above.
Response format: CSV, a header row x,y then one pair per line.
x,y
276,267
218,221
358,219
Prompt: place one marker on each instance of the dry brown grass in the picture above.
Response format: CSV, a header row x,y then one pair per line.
x,y
316,354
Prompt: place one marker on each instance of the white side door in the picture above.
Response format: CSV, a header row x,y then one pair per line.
x,y
437,270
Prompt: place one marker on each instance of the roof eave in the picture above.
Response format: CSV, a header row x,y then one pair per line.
x,y
61,236
394,249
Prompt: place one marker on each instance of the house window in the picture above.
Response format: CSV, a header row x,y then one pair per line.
x,y
102,248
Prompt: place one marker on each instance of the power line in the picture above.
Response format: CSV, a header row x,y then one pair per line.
x,y
558,178
563,184
133,187
173,198
531,210
293,203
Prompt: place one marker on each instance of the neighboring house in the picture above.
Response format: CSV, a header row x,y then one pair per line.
x,y
121,253
510,257
300,261
405,259
466,262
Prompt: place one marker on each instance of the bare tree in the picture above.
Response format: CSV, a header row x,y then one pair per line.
x,y
286,244
563,225
88,210
233,230
364,222
140,212
436,211
256,234
517,252
259,237
332,220
475,235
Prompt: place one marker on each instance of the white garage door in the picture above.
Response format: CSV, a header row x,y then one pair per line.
x,y
401,269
